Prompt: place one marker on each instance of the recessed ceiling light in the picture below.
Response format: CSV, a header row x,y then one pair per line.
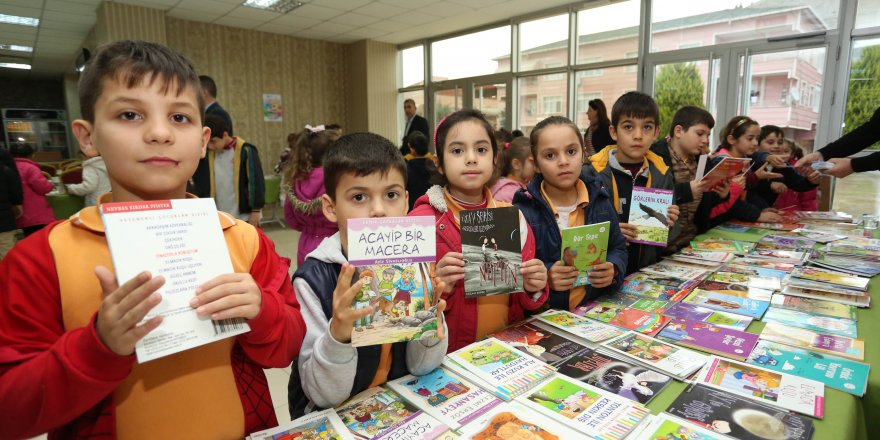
x,y
15,19
282,6
16,47
16,66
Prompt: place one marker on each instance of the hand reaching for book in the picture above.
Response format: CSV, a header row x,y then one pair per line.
x,y
562,277
602,275
534,275
232,295
770,217
450,269
344,314
723,190
124,307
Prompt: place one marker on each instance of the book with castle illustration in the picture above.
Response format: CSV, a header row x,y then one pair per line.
x,y
492,246
584,247
393,257
648,211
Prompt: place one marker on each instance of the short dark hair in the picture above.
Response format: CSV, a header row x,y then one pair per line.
x,y
517,133
688,116
451,120
217,124
413,101
208,85
418,142
767,130
131,62
535,135
635,105
21,150
360,154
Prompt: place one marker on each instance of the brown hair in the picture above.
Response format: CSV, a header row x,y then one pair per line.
x,y
516,149
535,135
446,124
131,62
307,152
736,127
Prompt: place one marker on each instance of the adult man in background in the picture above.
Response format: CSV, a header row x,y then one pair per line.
x,y
414,123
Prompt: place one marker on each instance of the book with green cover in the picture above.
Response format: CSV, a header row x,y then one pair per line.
x,y
584,247
838,373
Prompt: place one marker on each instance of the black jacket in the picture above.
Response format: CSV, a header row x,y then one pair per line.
x,y
10,192
418,124
855,141
418,179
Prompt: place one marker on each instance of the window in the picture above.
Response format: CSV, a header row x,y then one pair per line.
x,y
583,100
633,68
608,31
543,42
607,88
412,66
868,14
552,104
554,76
592,72
679,84
541,99
491,99
479,53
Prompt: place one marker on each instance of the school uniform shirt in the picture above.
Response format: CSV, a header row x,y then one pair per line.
x,y
224,182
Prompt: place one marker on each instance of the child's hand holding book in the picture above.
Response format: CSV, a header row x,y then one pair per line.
x,y
344,315
534,275
562,277
602,275
124,307
232,295
450,269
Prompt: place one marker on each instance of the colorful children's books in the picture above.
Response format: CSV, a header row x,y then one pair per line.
x,y
584,247
668,281
722,172
445,396
377,413
784,256
182,241
756,281
786,242
590,410
831,344
324,424
738,417
814,306
666,427
703,258
852,266
601,370
648,211
830,277
842,374
809,321
624,317
498,367
819,237
805,396
657,355
592,331
491,241
760,262
843,298
709,338
735,289
648,289
546,346
728,303
719,245
715,317
771,226
758,271
675,270
512,420
652,305
743,229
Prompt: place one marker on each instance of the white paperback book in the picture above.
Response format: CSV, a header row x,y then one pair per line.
x,y
657,355
182,241
511,420
318,425
498,367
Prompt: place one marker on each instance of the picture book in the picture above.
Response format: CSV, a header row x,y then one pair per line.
x,y
794,257
838,373
814,306
675,361
182,241
847,299
851,266
763,263
709,338
718,245
491,241
740,290
512,420
377,413
776,275
728,303
788,242
590,410
652,305
784,390
651,290
831,277
445,396
710,316
756,281
648,212
584,247
825,287
498,367
819,237
738,417
816,323
771,226
743,229
667,427
668,281
722,172
624,317
391,240
546,346
705,258
831,344
317,425
588,329
625,379
675,270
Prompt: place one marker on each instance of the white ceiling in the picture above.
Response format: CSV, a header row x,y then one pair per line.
x,y
64,24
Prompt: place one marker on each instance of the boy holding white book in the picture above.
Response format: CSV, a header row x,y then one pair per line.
x,y
68,336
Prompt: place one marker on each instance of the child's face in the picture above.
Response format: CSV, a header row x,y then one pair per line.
x,y
151,141
694,140
373,195
746,144
559,156
771,143
388,276
634,136
784,149
467,158
526,168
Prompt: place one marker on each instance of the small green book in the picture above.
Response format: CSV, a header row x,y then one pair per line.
x,y
584,247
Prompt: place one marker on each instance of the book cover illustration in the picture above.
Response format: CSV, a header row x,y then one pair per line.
x,y
723,171
652,305
651,290
830,277
316,425
376,413
500,365
588,409
851,266
728,303
740,290
775,275
668,281
847,299
752,278
794,393
588,329
666,427
584,247
759,262
710,338
718,245
648,211
795,257
738,417
838,373
446,397
715,317
629,381
820,237
676,361
547,346
492,247
624,317
814,306
798,337
816,323
513,421
705,258
671,269
788,242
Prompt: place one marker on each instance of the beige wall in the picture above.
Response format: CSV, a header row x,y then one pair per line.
x,y
372,91
117,21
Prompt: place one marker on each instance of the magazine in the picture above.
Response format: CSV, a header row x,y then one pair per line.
x,y
498,367
584,247
728,303
709,338
675,361
377,413
648,212
319,425
814,306
816,323
512,420
842,374
831,344
592,331
546,346
601,370
722,172
492,246
715,317
624,317
666,427
786,391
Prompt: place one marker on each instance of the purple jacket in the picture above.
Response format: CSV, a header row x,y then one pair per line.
x,y
35,186
302,211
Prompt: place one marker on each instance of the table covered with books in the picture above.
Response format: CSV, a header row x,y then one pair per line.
x,y
755,331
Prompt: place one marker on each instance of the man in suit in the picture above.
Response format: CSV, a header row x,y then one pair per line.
x,y
414,122
201,179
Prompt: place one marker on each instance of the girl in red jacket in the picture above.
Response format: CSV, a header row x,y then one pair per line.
x,y
466,152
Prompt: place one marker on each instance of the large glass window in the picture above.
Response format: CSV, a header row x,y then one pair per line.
x,y
677,24
447,101
543,43
491,99
609,32
677,85
608,87
540,98
412,66
868,14
863,92
480,53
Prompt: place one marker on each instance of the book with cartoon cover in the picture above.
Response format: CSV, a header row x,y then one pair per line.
x,y
584,247
648,211
377,413
547,346
671,269
491,241
625,379
830,277
709,338
592,331
649,289
838,373
728,303
809,321
512,420
834,345
715,317
847,299
658,355
814,306
735,289
719,245
498,367
317,425
727,168
666,427
624,317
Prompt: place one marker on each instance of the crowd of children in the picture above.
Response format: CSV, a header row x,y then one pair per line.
x,y
68,329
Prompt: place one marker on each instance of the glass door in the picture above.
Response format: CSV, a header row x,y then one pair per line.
x,y
446,101
491,99
685,82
